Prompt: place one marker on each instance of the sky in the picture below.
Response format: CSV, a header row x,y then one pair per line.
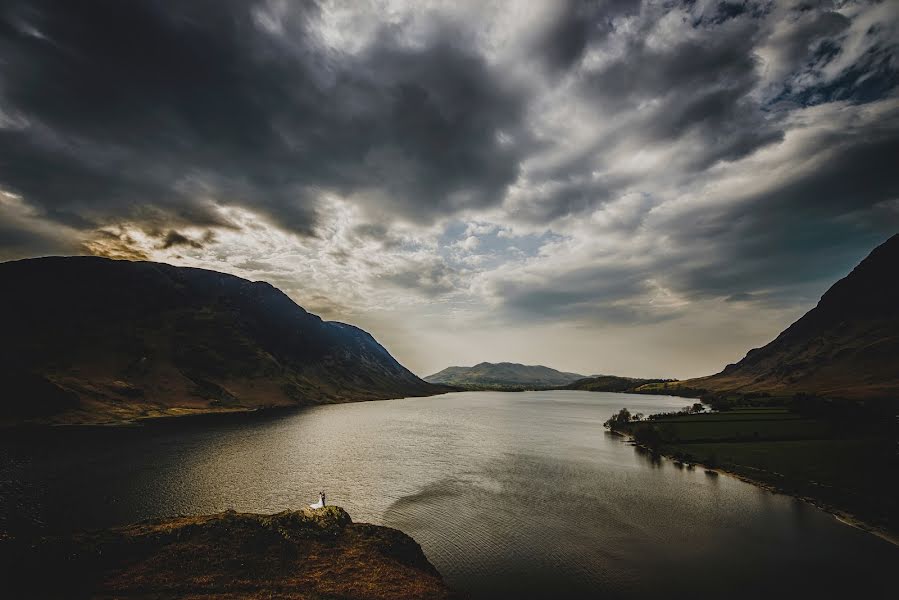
x,y
634,188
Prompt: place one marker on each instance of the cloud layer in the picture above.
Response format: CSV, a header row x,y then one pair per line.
x,y
463,177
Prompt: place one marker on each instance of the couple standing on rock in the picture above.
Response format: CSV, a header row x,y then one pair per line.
x,y
321,501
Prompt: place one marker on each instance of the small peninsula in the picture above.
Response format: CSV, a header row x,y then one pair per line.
x,y
304,554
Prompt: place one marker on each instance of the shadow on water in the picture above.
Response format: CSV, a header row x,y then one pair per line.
x,y
497,534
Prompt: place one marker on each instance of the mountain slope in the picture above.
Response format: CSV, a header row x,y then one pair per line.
x,y
89,339
502,375
610,383
847,346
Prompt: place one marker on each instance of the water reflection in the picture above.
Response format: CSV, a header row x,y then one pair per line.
x,y
653,459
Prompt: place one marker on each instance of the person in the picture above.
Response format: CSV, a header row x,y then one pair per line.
x,y
321,501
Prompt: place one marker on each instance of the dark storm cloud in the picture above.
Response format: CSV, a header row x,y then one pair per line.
x,y
699,85
814,42
575,26
795,44
17,241
617,126
176,106
598,293
699,78
696,89
172,238
772,249
721,56
431,278
431,132
818,224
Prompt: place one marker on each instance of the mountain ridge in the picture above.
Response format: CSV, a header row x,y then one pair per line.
x,y
502,375
847,346
90,339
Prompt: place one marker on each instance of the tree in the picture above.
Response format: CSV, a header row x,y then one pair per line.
x,y
649,436
622,417
697,408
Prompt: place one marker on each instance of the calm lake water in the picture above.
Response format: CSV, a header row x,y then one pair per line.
x,y
521,493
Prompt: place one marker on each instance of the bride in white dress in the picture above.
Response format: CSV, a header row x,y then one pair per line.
x,y
321,501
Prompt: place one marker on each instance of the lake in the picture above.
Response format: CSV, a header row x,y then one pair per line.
x,y
522,493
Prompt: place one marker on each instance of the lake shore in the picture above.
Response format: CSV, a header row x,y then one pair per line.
x,y
848,518
508,494
177,414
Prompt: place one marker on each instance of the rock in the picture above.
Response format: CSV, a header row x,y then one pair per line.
x,y
292,554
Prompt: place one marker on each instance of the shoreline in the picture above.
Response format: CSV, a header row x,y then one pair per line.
x,y
187,416
844,517
164,420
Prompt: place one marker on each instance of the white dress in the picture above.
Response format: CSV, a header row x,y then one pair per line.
x,y
319,504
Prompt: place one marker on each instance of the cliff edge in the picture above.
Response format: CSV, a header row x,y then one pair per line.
x,y
293,554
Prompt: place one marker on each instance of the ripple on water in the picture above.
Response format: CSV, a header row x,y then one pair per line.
x,y
507,493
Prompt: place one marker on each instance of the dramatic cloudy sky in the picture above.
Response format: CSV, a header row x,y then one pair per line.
x,y
608,187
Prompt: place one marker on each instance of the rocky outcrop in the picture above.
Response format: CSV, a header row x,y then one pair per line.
x,y
294,554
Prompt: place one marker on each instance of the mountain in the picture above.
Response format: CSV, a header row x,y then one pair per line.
x,y
502,376
610,383
845,347
89,339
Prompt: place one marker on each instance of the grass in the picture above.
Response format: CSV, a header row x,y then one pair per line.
x,y
842,467
742,427
855,476
303,555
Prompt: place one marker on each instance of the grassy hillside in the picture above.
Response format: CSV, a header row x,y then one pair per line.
x,y
845,347
95,340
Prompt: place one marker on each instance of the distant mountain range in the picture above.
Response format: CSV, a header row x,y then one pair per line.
x,y
503,375
88,339
845,347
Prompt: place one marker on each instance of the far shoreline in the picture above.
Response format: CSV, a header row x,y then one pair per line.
x,y
203,415
188,416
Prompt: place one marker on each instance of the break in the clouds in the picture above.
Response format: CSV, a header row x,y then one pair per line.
x,y
647,188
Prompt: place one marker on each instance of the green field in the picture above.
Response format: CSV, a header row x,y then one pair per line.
x,y
852,475
738,425
816,458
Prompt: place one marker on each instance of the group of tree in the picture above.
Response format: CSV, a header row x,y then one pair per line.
x,y
624,416
693,409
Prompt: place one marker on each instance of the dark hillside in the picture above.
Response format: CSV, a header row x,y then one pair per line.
x,y
847,346
92,339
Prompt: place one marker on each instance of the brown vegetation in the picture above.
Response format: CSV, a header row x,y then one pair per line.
x,y
308,554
